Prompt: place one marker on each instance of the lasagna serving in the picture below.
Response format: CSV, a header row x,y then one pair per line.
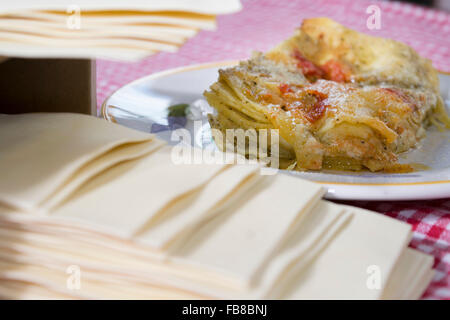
x,y
340,99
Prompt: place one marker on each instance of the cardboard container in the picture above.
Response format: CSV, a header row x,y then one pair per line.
x,y
47,85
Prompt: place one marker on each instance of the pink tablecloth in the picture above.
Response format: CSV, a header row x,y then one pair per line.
x,y
264,23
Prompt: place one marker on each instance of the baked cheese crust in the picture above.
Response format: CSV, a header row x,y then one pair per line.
x,y
340,99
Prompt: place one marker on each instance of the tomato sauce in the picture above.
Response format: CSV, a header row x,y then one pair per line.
x,y
285,88
402,96
335,71
311,105
309,69
331,70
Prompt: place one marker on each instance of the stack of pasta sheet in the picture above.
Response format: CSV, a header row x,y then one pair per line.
x,y
90,209
125,30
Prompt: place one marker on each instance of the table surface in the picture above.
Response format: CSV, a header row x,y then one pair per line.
x,y
262,24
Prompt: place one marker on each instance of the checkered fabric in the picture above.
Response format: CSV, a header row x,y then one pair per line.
x,y
264,23
430,222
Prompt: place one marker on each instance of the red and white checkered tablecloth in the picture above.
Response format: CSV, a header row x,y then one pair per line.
x,y
264,23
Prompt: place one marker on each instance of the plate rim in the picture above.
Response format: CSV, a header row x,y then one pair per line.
x,y
225,63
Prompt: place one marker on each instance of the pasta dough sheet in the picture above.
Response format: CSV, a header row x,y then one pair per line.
x,y
62,229
176,221
92,285
420,288
152,183
238,241
32,246
119,154
50,250
46,150
369,242
39,286
307,241
47,252
20,290
297,253
32,50
44,41
180,220
195,6
123,19
410,276
117,30
171,35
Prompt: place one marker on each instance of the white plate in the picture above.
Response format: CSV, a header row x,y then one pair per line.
x,y
142,105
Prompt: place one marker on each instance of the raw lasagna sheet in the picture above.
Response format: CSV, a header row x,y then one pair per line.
x,y
309,240
117,155
196,6
124,198
237,242
49,251
121,18
27,50
16,290
170,34
180,220
54,281
306,240
369,242
410,277
116,30
48,150
176,220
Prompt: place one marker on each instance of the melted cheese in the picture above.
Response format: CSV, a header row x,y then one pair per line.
x,y
339,98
